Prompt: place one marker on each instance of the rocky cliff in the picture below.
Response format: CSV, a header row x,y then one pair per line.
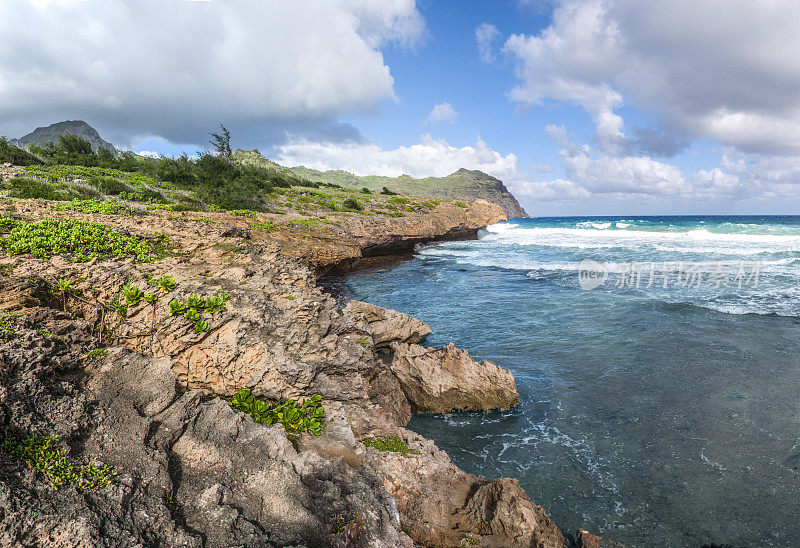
x,y
463,184
50,134
138,387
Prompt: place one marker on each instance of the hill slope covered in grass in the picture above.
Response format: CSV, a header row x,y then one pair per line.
x,y
461,185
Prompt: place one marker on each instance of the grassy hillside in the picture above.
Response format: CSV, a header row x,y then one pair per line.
x,y
461,185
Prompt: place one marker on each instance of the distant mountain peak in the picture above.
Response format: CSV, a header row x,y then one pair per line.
x,y
43,135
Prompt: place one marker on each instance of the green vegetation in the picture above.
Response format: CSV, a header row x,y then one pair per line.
x,y
389,443
465,185
222,142
26,188
96,179
166,284
266,225
17,156
7,323
352,204
92,205
307,416
41,454
461,204
97,353
195,306
242,212
81,239
133,295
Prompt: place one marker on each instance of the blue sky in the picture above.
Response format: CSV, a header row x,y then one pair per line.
x,y
579,106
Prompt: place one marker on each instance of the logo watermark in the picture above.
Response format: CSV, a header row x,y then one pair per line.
x,y
645,275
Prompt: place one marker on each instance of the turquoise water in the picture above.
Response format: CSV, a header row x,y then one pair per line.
x,y
651,415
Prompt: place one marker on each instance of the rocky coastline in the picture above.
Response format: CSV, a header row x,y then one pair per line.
x,y
146,394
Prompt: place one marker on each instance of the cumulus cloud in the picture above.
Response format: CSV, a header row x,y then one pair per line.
x,y
726,71
430,157
176,69
487,36
442,112
710,69
570,61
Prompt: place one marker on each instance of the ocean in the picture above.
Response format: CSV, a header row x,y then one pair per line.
x,y
657,361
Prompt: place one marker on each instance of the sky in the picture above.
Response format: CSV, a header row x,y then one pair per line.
x,y
582,107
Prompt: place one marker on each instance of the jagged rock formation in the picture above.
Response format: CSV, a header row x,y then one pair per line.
x,y
43,135
389,326
191,470
447,379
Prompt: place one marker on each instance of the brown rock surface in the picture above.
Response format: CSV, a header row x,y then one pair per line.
x,y
192,471
388,326
440,505
447,379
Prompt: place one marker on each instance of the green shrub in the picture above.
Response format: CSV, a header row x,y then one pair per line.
x,y
352,204
41,454
72,150
389,443
306,416
388,192
179,171
108,185
365,190
22,187
242,212
15,155
461,204
143,194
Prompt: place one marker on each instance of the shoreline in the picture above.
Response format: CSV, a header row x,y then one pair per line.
x,y
283,337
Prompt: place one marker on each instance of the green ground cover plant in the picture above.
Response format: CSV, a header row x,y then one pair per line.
x,y
389,443
93,205
195,306
42,454
269,226
296,417
84,240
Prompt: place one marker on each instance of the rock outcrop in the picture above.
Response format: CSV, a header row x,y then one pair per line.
x,y
440,505
447,379
192,471
388,326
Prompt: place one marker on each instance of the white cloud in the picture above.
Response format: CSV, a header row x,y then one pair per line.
x,y
442,112
177,69
726,70
487,35
559,190
570,61
430,157
149,154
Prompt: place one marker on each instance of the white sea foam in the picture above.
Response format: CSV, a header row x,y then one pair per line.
x,y
551,253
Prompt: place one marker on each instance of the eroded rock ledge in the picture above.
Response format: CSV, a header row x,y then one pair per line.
x,y
192,471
